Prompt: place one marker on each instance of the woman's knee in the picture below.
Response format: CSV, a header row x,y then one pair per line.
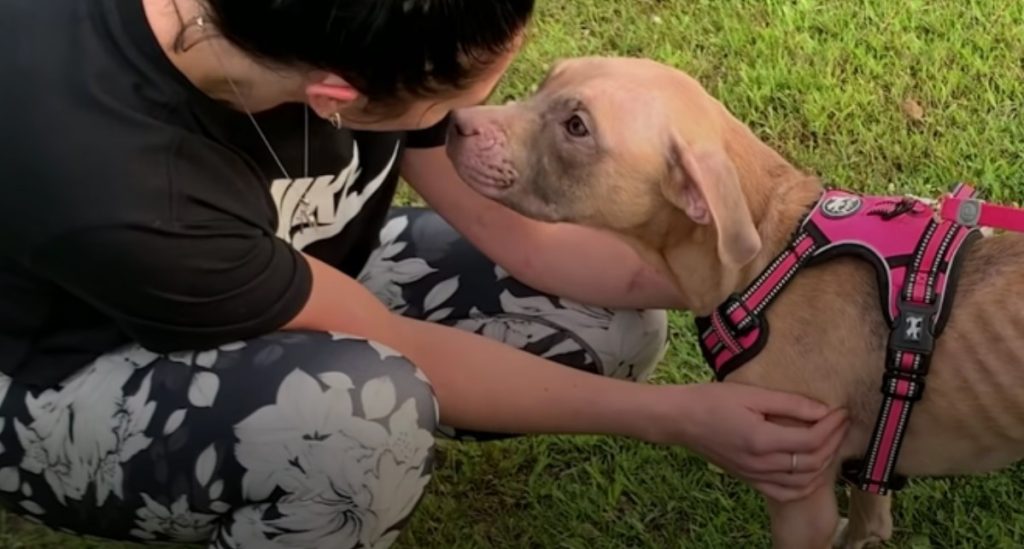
x,y
377,380
633,344
620,343
350,439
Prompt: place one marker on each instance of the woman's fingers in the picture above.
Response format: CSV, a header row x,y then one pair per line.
x,y
783,439
787,405
782,462
797,480
793,490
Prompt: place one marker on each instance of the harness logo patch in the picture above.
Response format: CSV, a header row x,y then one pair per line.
x,y
914,325
841,206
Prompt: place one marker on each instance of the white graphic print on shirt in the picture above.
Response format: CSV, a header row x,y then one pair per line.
x,y
331,203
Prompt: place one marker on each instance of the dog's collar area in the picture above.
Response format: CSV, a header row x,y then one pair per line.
x,y
916,256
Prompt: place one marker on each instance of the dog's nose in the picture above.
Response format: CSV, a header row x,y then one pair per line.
x,y
463,126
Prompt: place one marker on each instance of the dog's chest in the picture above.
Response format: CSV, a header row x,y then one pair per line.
x,y
827,346
914,256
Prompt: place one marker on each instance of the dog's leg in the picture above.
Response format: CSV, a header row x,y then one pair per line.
x,y
870,521
810,523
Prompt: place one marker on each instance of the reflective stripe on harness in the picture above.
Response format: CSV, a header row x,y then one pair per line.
x,y
908,356
916,258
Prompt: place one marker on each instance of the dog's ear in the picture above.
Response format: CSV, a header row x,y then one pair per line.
x,y
703,183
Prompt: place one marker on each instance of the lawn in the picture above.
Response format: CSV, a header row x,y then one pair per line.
x,y
877,95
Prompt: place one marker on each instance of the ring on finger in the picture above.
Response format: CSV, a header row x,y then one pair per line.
x,y
792,463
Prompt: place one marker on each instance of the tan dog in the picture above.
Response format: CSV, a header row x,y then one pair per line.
x,y
641,149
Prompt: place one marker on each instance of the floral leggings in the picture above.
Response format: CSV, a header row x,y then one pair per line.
x,y
292,440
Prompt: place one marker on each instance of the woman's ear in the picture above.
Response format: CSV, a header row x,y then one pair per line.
x,y
330,94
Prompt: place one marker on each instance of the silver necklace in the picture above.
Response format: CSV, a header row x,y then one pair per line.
x,y
303,210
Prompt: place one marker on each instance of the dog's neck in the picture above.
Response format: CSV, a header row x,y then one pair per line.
x,y
778,195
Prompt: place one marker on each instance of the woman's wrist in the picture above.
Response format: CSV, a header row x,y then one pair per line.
x,y
670,415
662,414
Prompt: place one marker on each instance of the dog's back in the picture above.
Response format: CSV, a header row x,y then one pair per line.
x,y
974,402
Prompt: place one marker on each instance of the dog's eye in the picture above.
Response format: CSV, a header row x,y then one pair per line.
x,y
576,126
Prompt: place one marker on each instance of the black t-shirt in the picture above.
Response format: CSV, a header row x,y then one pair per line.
x,y
135,208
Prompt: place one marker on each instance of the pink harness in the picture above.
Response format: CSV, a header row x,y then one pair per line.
x,y
917,259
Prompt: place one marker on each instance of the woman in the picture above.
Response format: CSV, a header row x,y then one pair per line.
x,y
215,329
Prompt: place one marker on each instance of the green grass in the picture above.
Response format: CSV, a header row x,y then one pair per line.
x,y
825,82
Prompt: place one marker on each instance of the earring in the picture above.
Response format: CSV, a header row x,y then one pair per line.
x,y
192,32
335,120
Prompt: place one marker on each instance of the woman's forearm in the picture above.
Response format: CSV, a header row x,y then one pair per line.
x,y
482,384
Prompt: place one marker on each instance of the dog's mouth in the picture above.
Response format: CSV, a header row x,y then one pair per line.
x,y
484,170
483,181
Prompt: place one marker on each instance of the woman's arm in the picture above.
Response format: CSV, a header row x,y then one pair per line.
x,y
480,384
579,263
484,385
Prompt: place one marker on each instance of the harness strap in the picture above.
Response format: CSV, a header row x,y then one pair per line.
x,y
911,344
741,314
919,251
972,212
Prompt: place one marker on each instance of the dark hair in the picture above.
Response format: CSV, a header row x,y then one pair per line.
x,y
389,50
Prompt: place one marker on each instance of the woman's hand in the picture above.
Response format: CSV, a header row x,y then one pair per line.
x,y
729,425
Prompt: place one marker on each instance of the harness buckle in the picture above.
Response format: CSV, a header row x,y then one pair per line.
x,y
749,324
912,331
968,213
